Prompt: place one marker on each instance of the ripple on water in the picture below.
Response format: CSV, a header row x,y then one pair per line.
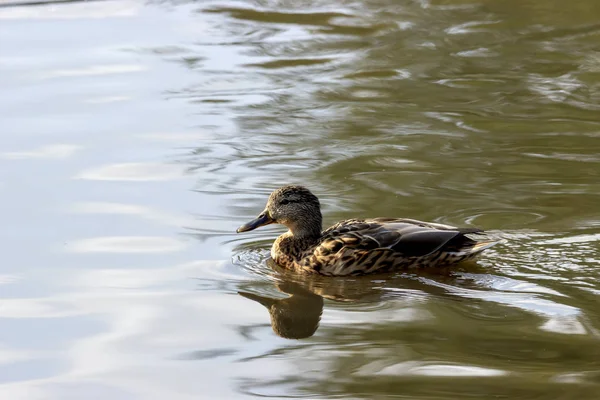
x,y
145,212
75,11
126,244
49,152
430,369
253,259
94,70
133,172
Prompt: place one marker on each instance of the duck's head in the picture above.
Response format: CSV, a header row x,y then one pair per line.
x,y
293,206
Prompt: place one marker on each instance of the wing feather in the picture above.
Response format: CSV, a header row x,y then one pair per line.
x,y
406,236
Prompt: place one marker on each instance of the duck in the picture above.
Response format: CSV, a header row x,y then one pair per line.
x,y
359,246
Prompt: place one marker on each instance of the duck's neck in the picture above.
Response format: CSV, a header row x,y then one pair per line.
x,y
304,233
306,230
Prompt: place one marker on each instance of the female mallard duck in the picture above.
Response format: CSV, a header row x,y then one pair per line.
x,y
357,246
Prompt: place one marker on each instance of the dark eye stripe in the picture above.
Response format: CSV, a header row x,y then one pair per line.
x,y
287,201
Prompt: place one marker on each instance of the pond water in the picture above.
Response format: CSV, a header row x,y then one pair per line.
x,y
136,136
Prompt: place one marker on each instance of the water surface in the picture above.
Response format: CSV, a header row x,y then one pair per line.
x,y
136,136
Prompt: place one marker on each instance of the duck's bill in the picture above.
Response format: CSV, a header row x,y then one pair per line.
x,y
262,220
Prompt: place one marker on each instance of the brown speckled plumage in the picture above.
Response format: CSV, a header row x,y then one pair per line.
x,y
358,247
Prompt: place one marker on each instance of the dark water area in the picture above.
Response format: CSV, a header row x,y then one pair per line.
x,y
135,137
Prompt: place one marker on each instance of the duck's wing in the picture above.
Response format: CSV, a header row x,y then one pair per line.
x,y
409,237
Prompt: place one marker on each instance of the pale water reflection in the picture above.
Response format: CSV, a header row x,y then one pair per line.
x,y
54,151
126,244
132,172
138,135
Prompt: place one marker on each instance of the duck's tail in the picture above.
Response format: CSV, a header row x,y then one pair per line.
x,y
472,251
481,246
475,241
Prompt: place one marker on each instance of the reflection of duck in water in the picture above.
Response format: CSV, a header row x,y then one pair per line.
x,y
298,316
294,317
357,247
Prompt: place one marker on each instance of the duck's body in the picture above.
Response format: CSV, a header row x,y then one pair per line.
x,y
358,247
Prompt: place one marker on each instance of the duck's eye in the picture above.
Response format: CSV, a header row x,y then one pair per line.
x,y
284,202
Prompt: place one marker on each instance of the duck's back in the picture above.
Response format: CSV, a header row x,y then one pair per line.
x,y
355,247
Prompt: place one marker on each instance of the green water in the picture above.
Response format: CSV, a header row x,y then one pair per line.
x,y
135,137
